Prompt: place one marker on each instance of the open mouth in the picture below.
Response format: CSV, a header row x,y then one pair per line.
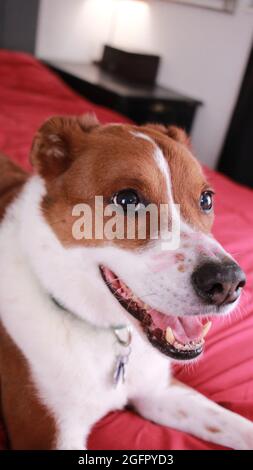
x,y
180,338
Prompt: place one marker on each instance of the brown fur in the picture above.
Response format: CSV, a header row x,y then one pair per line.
x,y
30,425
12,178
188,180
213,430
81,161
100,162
28,422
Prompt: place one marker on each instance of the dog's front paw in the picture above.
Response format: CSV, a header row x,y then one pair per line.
x,y
243,439
248,439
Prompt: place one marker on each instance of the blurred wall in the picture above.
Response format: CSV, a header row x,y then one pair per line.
x,y
73,30
204,52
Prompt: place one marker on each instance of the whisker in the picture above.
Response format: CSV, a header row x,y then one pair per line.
x,y
128,306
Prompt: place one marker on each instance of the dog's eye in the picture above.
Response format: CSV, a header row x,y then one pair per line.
x,y
206,201
126,197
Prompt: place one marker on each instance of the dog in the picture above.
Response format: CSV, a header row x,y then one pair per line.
x,y
91,325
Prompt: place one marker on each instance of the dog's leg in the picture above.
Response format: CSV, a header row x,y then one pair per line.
x,y
183,408
72,435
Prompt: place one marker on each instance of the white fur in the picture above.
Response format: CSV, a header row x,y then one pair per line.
x,y
72,357
159,159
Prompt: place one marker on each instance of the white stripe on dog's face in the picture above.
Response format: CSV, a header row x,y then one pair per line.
x,y
159,159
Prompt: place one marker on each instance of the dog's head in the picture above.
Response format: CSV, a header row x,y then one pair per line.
x,y
167,294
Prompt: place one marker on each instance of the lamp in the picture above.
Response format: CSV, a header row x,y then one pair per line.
x,y
123,11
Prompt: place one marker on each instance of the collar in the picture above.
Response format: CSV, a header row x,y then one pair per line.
x,y
123,333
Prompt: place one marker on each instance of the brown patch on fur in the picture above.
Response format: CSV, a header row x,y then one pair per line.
x,y
53,149
12,179
59,141
80,159
188,180
88,121
79,165
181,268
171,131
180,257
29,424
212,429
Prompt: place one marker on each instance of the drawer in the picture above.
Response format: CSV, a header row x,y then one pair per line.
x,y
164,112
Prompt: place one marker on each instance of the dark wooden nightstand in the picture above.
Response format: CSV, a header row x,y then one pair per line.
x,y
140,103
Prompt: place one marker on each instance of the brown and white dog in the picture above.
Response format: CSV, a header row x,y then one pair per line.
x,y
73,312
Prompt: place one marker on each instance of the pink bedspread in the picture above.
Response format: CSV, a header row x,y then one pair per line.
x,y
29,93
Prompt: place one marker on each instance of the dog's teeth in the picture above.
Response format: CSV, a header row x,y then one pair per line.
x,y
170,338
145,306
178,345
206,328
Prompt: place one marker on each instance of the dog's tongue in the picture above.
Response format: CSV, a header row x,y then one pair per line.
x,y
185,329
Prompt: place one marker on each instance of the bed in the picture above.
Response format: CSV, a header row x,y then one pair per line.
x,y
29,93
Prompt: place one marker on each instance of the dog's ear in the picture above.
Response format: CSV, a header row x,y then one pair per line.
x,y
179,135
55,145
174,132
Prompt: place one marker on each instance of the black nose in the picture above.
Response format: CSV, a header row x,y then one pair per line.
x,y
218,283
